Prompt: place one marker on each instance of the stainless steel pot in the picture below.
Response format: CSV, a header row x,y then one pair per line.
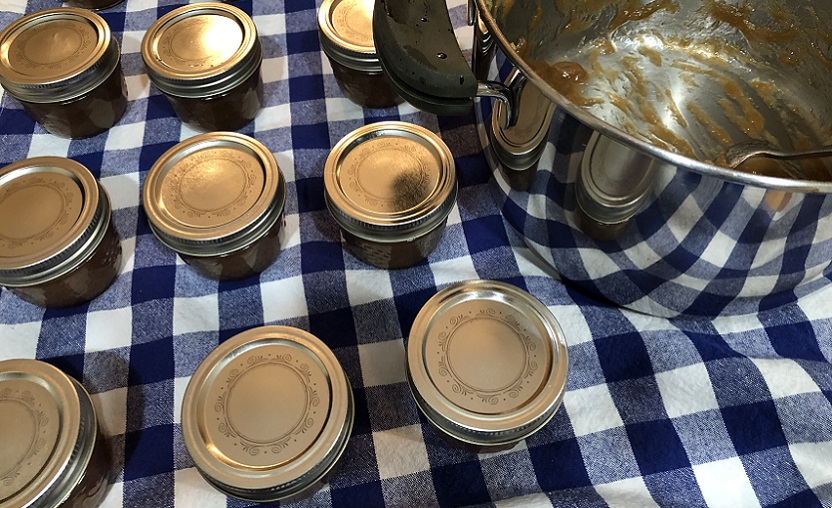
x,y
613,119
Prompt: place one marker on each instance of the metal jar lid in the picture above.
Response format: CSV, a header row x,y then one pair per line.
x,y
53,215
267,413
48,433
55,55
519,147
486,362
201,50
345,30
214,194
390,181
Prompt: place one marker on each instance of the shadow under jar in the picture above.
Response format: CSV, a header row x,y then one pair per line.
x,y
487,364
345,32
205,58
64,66
58,245
217,199
390,187
67,463
267,414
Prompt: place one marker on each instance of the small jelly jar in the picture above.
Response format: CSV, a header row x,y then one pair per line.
x,y
205,58
345,32
58,246
64,66
487,364
390,187
51,449
217,199
267,414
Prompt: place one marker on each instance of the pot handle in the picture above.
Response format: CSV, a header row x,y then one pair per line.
x,y
419,53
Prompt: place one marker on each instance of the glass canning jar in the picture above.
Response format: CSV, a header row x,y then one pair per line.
x,y
64,66
58,245
205,58
217,199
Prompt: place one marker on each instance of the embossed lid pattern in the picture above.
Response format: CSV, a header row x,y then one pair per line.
x,y
52,214
487,362
390,181
345,29
214,193
267,413
56,54
202,49
49,429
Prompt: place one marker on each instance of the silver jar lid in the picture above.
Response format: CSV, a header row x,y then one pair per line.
x,y
519,147
390,181
48,433
345,30
55,55
267,413
200,50
213,194
53,215
486,362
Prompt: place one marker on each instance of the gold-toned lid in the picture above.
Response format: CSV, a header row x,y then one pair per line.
x,y
201,49
213,193
267,413
48,432
390,181
53,214
56,54
486,362
345,29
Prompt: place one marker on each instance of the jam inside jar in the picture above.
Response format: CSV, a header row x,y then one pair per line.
x,y
77,91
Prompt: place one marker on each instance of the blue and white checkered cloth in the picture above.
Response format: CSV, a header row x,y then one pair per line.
x,y
686,412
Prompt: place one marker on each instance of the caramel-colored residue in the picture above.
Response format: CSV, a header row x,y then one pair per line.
x,y
653,55
766,90
659,130
634,10
750,121
567,78
739,17
674,109
719,134
537,15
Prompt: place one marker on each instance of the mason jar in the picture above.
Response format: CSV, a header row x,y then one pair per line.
x,y
64,66
267,414
390,186
217,199
205,58
58,245
52,453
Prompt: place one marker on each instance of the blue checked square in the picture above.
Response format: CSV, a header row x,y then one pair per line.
x,y
415,489
106,370
754,427
367,495
408,305
357,465
737,381
72,365
311,136
299,6
391,406
602,466
666,487
62,333
153,283
149,405
326,290
16,121
657,447
638,400
156,359
623,357
152,492
775,476
241,307
460,484
549,461
704,436
148,452
310,193
361,425
795,340
336,328
485,233
190,349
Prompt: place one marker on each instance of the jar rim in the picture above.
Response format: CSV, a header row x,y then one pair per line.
x,y
207,77
357,55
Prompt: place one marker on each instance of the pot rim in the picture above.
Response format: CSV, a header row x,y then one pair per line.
x,y
607,129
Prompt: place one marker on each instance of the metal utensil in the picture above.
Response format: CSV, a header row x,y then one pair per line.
x,y
741,152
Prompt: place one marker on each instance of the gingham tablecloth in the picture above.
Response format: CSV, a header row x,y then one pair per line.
x,y
726,412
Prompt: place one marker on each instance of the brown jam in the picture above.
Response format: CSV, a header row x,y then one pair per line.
x,y
367,89
394,254
228,111
87,115
240,264
91,278
93,487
